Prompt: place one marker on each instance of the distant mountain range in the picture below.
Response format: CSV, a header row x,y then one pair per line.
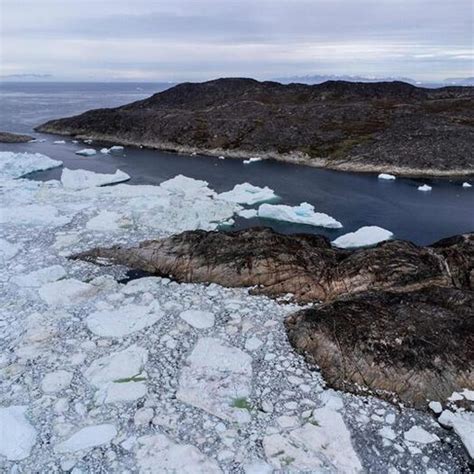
x,y
320,78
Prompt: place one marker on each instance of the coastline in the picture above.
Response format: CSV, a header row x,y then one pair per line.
x,y
298,158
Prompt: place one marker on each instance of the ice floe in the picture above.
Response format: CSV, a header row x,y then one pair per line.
x,y
159,450
56,381
32,215
187,186
86,152
112,149
216,378
463,425
418,434
198,319
120,376
248,194
40,277
302,214
7,250
252,160
248,213
119,323
17,436
16,165
466,185
386,176
363,237
59,142
424,188
87,438
66,292
83,179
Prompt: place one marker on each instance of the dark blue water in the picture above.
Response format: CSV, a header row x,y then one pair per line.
x,y
353,199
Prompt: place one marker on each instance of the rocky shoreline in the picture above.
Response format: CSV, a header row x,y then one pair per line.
x,y
8,137
380,127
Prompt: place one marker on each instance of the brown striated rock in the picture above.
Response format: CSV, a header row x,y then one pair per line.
x,y
418,345
8,137
305,265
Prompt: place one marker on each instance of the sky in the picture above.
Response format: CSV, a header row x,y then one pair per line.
x,y
178,40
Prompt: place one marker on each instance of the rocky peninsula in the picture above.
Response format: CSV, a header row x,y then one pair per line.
x,y
8,137
390,127
395,319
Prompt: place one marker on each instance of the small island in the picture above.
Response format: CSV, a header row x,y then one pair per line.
x,y
8,137
391,127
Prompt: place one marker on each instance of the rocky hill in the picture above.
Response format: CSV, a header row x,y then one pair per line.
x,y
385,126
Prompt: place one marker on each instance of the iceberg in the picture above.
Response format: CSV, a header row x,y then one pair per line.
x,y
386,176
365,236
83,179
248,213
252,160
302,214
15,165
59,142
466,185
424,188
86,152
187,186
248,194
112,149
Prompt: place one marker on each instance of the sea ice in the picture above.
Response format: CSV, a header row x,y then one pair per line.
x,y
86,152
466,185
215,377
87,438
158,450
463,425
40,277
302,214
112,149
198,319
33,214
123,321
17,436
56,381
424,188
16,165
248,213
82,179
7,250
363,237
386,176
59,142
120,376
417,434
106,221
248,194
66,292
188,186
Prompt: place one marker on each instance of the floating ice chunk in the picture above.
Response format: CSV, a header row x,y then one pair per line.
x,y
248,213
32,215
112,149
252,160
302,214
221,157
107,221
314,447
215,377
363,237
82,179
66,292
16,165
246,193
188,186
7,250
198,319
104,151
466,185
40,277
86,152
387,433
87,438
120,376
463,425
468,394
59,142
159,450
123,321
386,176
435,407
56,381
17,436
417,434
424,188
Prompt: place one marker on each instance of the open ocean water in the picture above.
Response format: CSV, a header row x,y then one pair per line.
x,y
353,199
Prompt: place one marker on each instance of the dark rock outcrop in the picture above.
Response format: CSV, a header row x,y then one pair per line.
x,y
418,345
8,137
396,318
386,126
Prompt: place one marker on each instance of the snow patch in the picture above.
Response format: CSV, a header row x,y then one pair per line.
x,y
363,237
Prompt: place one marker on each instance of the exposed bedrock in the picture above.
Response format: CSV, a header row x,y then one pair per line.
x,y
418,345
396,318
8,137
305,265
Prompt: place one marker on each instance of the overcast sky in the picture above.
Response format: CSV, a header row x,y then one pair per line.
x,y
175,40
